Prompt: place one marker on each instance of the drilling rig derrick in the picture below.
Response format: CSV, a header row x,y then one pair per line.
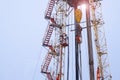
x,y
56,40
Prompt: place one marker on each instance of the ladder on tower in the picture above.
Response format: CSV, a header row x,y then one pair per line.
x,y
44,68
46,63
48,35
49,9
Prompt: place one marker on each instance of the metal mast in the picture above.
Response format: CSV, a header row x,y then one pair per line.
x,y
103,71
55,57
90,48
76,47
56,15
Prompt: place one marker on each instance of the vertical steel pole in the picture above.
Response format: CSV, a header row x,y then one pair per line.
x,y
89,37
76,48
60,62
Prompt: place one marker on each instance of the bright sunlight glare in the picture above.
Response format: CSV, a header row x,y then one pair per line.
x,y
83,7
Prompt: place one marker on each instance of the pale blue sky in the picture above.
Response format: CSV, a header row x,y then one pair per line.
x,y
22,26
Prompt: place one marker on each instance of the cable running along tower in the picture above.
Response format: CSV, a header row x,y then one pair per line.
x,y
57,40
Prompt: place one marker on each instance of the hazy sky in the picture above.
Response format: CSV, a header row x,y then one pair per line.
x,y
22,26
